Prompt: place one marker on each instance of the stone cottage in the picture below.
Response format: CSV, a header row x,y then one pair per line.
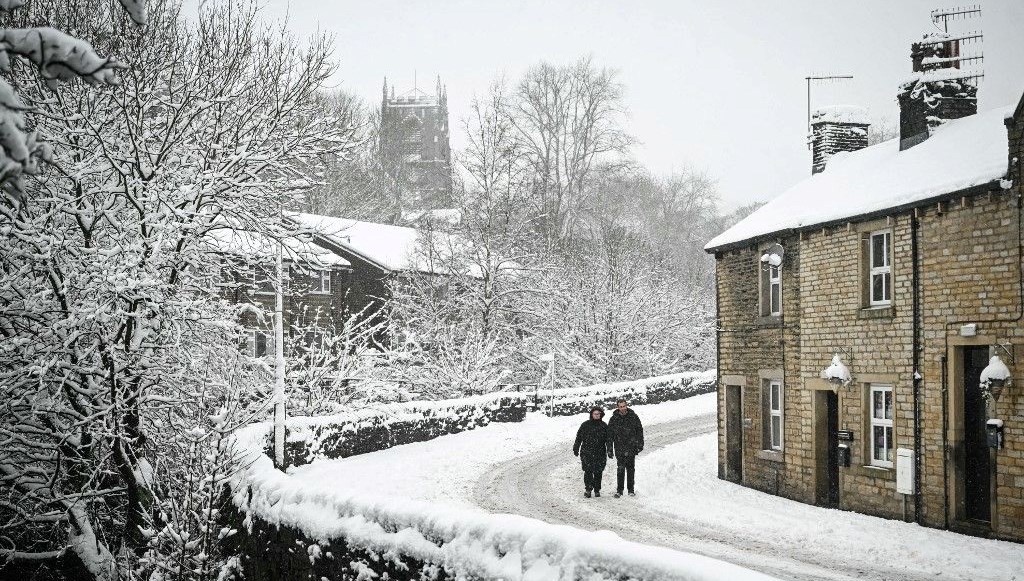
x,y
870,332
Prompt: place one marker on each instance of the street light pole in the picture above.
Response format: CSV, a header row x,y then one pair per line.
x,y
279,411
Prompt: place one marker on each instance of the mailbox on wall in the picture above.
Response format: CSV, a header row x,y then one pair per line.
x,y
994,433
904,471
843,456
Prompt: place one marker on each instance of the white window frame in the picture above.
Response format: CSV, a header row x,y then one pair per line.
x,y
885,269
322,285
774,281
773,413
270,272
269,340
885,423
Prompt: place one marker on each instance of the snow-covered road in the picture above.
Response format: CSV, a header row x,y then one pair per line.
x,y
528,469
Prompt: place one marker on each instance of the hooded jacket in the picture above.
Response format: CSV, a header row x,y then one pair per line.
x,y
591,442
625,434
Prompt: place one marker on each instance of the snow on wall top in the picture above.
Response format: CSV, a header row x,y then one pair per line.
x,y
841,114
393,247
962,153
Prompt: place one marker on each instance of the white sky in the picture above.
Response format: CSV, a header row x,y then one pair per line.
x,y
713,85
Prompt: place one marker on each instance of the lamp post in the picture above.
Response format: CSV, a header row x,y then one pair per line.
x,y
549,358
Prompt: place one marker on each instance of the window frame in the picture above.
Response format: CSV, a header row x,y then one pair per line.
x,y
888,429
885,270
320,277
774,281
773,412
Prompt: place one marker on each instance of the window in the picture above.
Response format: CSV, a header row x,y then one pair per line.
x,y
774,290
263,279
773,415
770,266
880,273
881,425
321,282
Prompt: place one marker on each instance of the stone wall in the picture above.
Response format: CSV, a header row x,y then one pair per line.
x,y
751,346
970,265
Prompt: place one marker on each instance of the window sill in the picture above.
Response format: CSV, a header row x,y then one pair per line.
x,y
877,312
769,321
875,472
772,455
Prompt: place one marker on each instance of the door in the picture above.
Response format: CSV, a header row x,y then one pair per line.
x,y
832,414
826,448
733,433
977,472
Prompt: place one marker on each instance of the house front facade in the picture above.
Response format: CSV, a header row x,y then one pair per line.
x,y
860,312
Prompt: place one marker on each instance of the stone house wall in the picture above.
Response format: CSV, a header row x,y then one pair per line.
x,y
970,267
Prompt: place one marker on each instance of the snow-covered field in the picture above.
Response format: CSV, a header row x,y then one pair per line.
x,y
528,468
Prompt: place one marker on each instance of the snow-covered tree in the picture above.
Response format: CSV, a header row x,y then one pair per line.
x,y
113,342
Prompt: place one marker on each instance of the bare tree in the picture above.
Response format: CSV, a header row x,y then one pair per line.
x,y
567,118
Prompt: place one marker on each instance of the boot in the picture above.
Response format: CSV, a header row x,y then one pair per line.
x,y
597,494
586,494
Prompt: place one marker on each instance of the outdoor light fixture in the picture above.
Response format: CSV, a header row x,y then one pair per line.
x,y
995,377
773,255
837,373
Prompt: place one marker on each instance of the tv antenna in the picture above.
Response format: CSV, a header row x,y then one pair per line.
x,y
820,79
960,12
944,52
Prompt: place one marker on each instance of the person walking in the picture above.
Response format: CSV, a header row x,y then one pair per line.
x,y
590,446
625,441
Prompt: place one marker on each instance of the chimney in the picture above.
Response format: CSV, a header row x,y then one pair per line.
x,y
937,92
836,129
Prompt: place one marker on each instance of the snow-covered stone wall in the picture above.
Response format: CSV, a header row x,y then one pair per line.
x,y
282,529
381,427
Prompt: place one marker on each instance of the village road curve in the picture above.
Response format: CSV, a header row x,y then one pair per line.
x,y
524,486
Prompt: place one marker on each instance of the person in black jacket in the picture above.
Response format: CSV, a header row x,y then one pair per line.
x,y
625,441
591,442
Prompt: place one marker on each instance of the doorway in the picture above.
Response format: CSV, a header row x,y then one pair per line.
x,y
733,433
827,437
977,469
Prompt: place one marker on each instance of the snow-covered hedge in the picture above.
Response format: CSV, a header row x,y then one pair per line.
x,y
288,529
384,426
387,425
577,400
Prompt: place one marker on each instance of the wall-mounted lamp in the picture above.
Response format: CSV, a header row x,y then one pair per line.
x,y
773,255
995,377
837,373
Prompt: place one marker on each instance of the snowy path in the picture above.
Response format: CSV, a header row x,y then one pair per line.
x,y
528,469
546,485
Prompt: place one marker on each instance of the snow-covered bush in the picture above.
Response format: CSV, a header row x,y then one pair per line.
x,y
378,427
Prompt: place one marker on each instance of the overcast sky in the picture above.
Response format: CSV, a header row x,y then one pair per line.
x,y
714,85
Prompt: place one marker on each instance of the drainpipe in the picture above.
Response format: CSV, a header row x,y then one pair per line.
x,y
916,354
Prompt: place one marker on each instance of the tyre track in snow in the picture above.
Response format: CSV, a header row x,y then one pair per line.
x,y
525,486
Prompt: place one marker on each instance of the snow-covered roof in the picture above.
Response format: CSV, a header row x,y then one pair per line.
x,y
394,248
253,245
960,154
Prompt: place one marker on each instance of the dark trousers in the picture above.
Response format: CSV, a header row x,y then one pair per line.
x,y
592,478
625,470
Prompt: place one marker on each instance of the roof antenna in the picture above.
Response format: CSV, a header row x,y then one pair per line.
x,y
963,12
819,79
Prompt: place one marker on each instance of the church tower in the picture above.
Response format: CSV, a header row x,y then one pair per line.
x,y
415,148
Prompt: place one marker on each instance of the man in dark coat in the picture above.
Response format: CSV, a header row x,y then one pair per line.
x,y
590,446
625,441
